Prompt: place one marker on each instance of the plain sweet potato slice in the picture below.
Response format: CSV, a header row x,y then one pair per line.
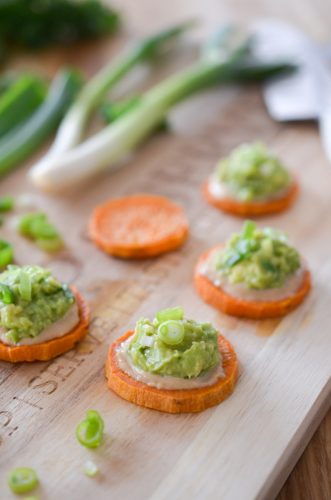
x,y
138,226
252,208
173,401
51,348
235,306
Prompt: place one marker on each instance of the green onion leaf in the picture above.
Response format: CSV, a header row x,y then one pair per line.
x,y
22,480
171,332
6,295
37,227
275,234
13,336
244,247
268,266
41,228
176,313
6,203
90,431
234,259
25,287
50,245
20,101
113,110
18,144
6,253
248,229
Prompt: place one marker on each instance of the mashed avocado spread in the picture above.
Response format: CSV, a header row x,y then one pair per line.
x,y
258,258
31,299
251,173
175,346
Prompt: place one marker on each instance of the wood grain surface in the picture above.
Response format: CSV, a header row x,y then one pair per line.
x,y
245,448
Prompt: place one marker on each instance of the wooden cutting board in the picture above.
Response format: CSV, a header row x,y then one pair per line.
x,y
242,449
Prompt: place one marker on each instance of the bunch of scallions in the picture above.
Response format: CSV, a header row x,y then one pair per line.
x,y
227,57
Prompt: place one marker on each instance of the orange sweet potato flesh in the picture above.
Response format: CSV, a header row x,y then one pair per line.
x,y
138,226
51,348
173,401
253,208
234,306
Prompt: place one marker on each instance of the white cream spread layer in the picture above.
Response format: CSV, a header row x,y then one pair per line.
x,y
58,329
241,291
164,381
220,190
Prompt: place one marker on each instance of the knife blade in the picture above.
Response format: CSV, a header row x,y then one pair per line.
x,y
305,94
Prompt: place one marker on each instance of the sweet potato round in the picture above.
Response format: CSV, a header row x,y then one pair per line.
x,y
252,208
138,226
234,306
51,348
173,401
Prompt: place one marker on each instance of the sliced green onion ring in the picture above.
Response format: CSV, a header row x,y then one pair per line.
x,y
176,313
90,431
6,253
22,480
171,332
90,468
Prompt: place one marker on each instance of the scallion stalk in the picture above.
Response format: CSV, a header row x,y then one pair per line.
x,y
102,151
19,101
112,111
17,145
72,127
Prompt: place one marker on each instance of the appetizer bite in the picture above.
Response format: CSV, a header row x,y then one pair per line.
x,y
251,182
172,364
40,317
138,226
256,274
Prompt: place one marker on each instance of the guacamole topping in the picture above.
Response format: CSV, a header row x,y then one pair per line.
x,y
252,173
31,300
171,345
260,259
